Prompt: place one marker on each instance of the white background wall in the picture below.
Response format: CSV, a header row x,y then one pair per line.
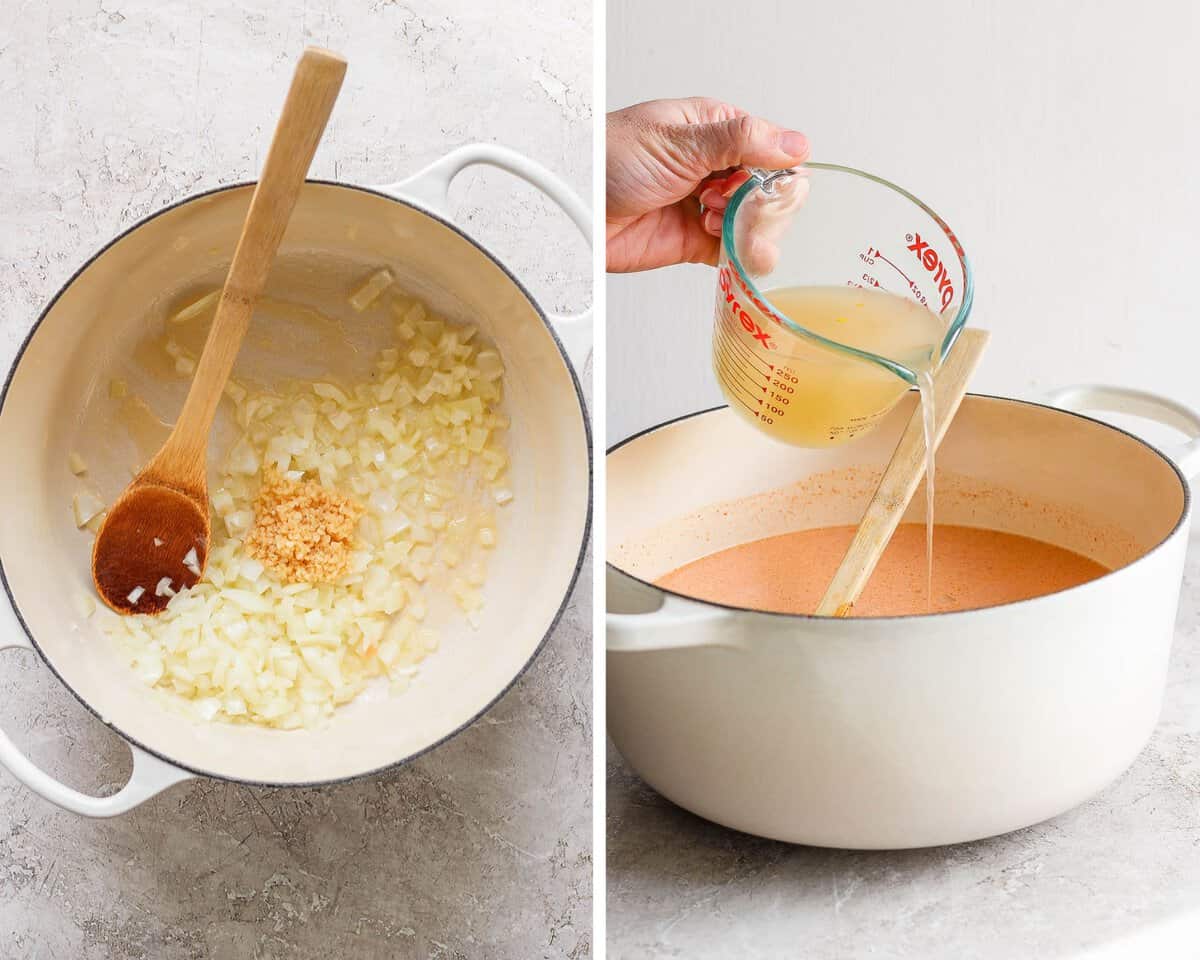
x,y
1059,139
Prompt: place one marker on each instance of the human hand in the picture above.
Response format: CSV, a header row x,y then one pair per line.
x,y
668,158
763,220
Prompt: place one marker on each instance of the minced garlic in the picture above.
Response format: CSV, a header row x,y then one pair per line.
x,y
303,532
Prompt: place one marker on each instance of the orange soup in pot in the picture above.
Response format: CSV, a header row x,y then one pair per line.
x,y
973,567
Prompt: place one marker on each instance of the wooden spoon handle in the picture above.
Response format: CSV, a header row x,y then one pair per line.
x,y
310,99
902,477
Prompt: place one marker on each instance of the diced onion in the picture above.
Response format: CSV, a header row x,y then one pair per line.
x,y
251,569
197,307
76,463
490,367
235,391
192,561
329,392
149,668
208,707
86,505
367,294
222,501
421,446
135,595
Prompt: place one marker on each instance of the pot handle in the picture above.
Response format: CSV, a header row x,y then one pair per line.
x,y
430,189
1139,403
150,775
665,621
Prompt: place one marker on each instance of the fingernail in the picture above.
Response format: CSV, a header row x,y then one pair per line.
x,y
794,143
711,197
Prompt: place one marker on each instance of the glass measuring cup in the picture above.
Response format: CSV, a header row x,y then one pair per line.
x,y
836,289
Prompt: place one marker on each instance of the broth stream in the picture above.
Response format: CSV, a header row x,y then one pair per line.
x,y
829,388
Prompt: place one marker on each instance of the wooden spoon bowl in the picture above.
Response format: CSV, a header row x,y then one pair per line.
x,y
147,535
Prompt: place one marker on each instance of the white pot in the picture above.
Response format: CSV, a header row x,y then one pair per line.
x,y
902,731
338,234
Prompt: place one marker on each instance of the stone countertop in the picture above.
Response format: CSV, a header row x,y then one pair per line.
x,y
483,847
1108,875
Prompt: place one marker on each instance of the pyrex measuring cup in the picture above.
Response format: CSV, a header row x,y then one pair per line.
x,y
826,226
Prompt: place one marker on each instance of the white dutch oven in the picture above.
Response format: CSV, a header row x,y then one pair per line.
x,y
338,234
903,731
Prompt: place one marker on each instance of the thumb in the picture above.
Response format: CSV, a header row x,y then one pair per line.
x,y
742,140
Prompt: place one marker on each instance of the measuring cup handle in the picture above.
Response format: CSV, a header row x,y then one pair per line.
x,y
1139,403
431,188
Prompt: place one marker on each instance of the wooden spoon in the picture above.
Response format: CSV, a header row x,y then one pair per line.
x,y
152,529
902,477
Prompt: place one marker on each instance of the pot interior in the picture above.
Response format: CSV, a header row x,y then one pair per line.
x,y
707,482
56,403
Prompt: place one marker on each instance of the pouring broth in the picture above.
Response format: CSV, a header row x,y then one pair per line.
x,y
815,396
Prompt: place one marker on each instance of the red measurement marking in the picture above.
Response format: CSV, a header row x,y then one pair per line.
x,y
894,267
739,358
735,386
735,363
731,371
729,374
743,403
730,362
741,347
736,396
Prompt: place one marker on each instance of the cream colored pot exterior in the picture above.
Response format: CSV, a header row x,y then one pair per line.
x,y
337,235
910,731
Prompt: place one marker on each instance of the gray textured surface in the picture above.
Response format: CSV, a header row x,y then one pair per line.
x,y
481,849
1115,867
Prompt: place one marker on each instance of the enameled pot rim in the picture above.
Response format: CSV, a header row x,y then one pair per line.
x,y
587,523
1184,514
